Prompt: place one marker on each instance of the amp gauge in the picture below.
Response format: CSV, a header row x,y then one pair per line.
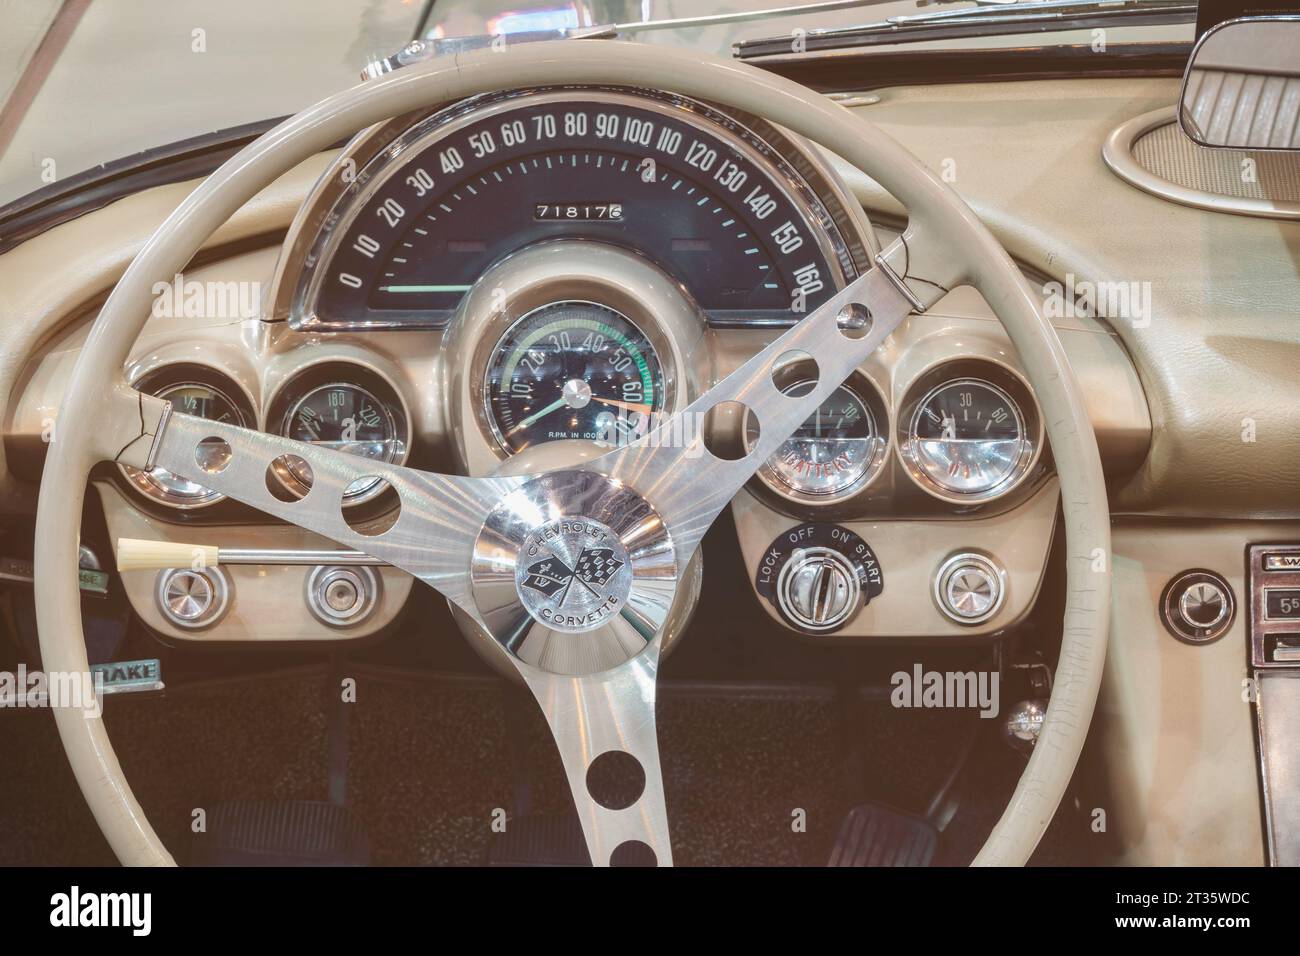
x,y
838,450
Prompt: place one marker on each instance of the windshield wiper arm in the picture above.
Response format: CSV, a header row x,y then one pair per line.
x,y
746,16
1035,16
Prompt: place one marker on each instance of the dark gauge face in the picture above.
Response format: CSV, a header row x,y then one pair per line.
x,y
968,438
202,401
347,418
705,205
832,451
572,370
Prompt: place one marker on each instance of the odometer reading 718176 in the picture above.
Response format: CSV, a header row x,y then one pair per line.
x,y
579,211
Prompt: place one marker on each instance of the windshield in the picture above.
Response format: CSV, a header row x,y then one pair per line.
x,y
87,82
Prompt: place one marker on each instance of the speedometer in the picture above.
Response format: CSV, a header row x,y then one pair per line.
x,y
711,203
572,370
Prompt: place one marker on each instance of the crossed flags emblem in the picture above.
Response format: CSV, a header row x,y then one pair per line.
x,y
594,568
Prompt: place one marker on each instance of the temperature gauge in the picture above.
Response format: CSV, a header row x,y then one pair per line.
x,y
345,417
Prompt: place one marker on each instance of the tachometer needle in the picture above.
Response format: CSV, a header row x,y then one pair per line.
x,y
558,403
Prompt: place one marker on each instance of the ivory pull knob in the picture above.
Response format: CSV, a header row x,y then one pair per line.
x,y
138,554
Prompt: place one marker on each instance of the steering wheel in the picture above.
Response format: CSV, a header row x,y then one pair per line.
x,y
628,521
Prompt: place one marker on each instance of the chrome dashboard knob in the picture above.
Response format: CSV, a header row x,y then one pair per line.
x,y
342,596
969,588
1197,606
818,589
192,598
1204,604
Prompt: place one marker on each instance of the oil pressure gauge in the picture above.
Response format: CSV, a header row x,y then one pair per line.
x,y
970,438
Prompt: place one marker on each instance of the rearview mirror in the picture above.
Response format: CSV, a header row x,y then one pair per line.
x,y
1242,85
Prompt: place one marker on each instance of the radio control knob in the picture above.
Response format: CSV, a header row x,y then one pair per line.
x,y
818,590
1197,607
1204,604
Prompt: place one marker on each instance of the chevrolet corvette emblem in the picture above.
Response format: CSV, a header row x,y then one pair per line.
x,y
575,574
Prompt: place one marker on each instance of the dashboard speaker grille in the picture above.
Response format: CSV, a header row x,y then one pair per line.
x,y
1152,153
1167,153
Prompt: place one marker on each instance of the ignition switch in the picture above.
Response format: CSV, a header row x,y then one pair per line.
x,y
818,576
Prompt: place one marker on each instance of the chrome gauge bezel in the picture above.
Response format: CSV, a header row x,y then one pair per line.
x,y
865,391
310,379
836,222
164,380
663,360
997,377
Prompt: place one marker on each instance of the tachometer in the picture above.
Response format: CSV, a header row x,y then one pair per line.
x,y
572,370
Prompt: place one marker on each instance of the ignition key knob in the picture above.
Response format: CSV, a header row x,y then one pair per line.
x,y
818,589
818,576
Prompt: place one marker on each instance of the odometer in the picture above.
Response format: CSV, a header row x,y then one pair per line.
x,y
572,370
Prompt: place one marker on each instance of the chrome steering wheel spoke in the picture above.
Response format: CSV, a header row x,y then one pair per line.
x,y
604,727
431,538
687,483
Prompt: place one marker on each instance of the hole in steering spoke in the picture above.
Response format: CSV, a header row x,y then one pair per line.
x,y
854,320
615,780
374,517
212,455
726,429
633,853
795,366
288,478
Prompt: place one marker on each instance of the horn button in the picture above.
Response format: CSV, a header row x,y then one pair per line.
x,y
574,573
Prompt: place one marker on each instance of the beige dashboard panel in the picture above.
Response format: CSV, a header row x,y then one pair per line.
x,y
910,553
55,276
267,603
1217,354
1174,720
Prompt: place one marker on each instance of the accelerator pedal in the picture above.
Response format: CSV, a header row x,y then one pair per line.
x,y
875,835
540,840
281,833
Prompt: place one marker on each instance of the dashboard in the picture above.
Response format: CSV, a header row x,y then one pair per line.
x,y
550,272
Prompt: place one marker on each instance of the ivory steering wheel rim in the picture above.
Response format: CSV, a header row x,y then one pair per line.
x,y
948,245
